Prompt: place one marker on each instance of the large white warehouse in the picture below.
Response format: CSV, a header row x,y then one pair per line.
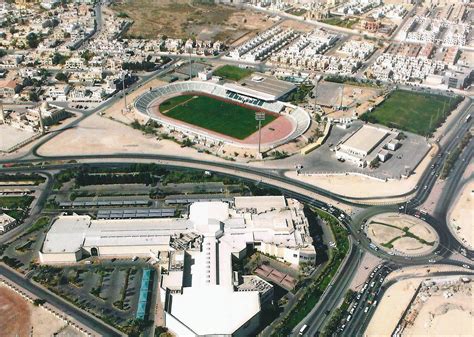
x,y
274,225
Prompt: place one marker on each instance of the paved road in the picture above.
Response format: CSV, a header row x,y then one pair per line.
x,y
67,308
333,296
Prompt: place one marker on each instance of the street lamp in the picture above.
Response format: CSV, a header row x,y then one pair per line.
x,y
259,116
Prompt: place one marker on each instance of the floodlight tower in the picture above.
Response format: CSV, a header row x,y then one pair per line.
x,y
124,94
341,95
2,114
315,92
41,123
190,51
259,116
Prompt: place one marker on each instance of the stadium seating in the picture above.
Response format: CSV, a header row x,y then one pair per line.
x,y
299,116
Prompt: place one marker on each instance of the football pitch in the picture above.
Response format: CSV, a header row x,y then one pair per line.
x,y
419,113
213,114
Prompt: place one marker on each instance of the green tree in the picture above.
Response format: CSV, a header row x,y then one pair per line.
x,y
32,40
61,77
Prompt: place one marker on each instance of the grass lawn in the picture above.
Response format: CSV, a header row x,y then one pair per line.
x,y
39,224
344,23
15,202
215,115
232,72
419,113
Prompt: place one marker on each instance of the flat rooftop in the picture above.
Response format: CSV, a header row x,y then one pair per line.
x,y
215,309
365,139
70,233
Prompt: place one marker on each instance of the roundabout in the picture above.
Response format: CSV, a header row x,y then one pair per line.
x,y
401,234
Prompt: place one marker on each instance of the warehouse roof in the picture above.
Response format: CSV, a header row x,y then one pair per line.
x,y
365,139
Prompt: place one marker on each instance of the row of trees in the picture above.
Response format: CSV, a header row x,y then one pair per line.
x,y
84,179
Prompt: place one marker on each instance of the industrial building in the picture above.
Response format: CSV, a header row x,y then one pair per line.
x,y
367,144
273,225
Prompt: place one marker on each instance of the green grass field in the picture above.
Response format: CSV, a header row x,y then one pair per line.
x,y
212,114
335,21
420,113
232,72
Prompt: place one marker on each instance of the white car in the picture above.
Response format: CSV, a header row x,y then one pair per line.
x,y
366,309
466,266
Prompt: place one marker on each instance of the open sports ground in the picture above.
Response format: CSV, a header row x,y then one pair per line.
x,y
420,113
229,119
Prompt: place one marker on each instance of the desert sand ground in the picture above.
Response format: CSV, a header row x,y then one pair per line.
x,y
21,318
391,308
398,296
10,136
117,111
386,228
182,19
101,135
461,217
443,316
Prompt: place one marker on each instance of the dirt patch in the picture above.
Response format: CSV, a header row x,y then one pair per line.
x,y
21,318
185,19
462,215
15,314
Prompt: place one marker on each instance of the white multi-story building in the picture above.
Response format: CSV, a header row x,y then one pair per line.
x,y
6,223
274,225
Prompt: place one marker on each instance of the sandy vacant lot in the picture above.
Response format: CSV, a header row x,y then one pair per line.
x,y
10,136
391,308
443,309
448,317
101,135
461,217
185,19
401,233
21,318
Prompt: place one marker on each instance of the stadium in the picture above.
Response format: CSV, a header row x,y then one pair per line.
x,y
211,113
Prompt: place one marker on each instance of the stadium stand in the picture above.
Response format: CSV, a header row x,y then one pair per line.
x,y
298,116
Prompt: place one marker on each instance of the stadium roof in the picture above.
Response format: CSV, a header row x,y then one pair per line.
x,y
262,86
